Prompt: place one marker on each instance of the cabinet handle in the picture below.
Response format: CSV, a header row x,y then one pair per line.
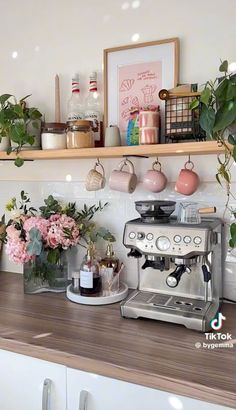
x,y
83,400
47,384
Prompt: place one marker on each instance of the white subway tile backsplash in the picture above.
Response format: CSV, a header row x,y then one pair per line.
x,y
40,181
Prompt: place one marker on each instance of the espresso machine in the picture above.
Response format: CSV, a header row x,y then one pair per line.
x,y
179,267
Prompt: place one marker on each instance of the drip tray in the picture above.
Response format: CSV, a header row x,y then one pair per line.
x,y
177,303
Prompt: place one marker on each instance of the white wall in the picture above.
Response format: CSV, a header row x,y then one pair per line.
x,y
67,36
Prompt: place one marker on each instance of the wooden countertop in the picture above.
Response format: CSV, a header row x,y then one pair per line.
x,y
97,339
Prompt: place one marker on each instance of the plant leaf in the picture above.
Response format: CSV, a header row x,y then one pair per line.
x,y
207,119
24,98
194,104
232,241
225,116
4,98
19,162
234,153
205,96
224,66
218,179
53,256
34,246
232,139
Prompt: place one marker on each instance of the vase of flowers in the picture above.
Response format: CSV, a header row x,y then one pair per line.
x,y
42,276
39,239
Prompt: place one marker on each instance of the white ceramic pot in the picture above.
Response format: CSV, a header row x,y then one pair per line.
x,y
5,144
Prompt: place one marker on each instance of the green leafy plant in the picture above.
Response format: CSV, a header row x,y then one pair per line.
x,y
14,120
217,118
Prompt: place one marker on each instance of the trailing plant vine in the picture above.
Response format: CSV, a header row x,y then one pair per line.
x,y
218,119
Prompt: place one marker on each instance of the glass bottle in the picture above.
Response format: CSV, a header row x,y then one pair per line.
x,y
92,108
110,260
90,278
75,106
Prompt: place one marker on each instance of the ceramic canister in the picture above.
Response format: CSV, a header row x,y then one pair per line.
x,y
148,119
148,135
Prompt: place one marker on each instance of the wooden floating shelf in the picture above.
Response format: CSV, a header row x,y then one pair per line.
x,y
164,150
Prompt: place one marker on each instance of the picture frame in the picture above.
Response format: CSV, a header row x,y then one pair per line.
x,y
134,74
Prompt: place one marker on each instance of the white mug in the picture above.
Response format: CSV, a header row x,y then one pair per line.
x,y
122,180
95,180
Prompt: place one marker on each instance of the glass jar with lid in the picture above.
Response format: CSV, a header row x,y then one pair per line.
x,y
80,134
53,135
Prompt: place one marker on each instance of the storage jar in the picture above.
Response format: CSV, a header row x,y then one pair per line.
x,y
53,135
80,134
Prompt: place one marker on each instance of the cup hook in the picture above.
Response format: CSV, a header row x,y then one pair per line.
x,y
189,162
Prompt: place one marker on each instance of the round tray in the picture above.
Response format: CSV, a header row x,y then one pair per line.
x,y
98,300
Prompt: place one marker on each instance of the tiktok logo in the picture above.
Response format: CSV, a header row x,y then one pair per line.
x,y
217,323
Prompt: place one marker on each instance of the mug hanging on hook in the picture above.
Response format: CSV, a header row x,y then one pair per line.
x,y
154,179
96,180
188,180
124,181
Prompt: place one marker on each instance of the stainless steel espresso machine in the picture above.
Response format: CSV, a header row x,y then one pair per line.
x,y
179,267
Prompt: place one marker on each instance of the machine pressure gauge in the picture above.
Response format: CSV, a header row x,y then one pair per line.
x,y
163,243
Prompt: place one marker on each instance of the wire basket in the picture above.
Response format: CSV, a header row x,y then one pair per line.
x,y
181,122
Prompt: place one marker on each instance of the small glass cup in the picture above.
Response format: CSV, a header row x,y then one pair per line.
x,y
188,213
110,281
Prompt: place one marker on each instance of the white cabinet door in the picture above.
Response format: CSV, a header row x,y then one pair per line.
x,y
25,380
86,391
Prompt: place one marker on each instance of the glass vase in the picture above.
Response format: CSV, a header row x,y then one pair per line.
x,y
43,276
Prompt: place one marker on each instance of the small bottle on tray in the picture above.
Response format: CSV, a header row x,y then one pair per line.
x,y
90,278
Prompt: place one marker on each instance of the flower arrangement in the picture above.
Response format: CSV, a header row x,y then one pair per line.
x,y
49,232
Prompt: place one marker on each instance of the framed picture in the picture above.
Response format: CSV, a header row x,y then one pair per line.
x,y
134,75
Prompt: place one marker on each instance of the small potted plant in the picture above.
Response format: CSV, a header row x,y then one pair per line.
x,y
218,119
19,126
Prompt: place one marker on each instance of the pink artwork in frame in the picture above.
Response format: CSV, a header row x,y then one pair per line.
x,y
138,87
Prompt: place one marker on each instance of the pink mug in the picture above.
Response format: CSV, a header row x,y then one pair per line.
x,y
154,179
188,181
122,180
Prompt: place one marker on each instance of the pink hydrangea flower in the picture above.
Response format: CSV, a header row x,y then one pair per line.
x,y
12,233
16,250
37,222
57,233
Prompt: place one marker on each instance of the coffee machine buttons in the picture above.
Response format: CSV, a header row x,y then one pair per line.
x,y
140,235
149,236
163,243
187,239
197,240
132,235
177,238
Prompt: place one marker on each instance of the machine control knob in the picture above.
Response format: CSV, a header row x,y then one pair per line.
x,y
163,243
177,238
132,235
187,239
149,236
140,235
197,240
